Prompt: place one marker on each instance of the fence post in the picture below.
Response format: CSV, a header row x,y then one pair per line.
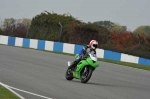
x,y
60,35
27,29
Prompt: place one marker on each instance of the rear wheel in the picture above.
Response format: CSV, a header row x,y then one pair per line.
x,y
69,74
86,74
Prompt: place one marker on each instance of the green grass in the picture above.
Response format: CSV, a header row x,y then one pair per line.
x,y
6,94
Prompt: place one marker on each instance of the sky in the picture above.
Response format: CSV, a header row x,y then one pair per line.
x,y
130,13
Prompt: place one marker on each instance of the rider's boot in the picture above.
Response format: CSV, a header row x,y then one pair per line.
x,y
74,63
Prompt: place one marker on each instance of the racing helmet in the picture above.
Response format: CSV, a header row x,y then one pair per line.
x,y
93,44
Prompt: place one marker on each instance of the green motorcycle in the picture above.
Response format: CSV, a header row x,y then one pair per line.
x,y
84,69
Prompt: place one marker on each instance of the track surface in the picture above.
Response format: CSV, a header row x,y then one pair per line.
x,y
43,73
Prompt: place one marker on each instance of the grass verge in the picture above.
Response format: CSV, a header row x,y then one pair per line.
x,y
6,94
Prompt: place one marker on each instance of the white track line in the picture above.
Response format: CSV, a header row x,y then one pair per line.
x,y
23,91
12,90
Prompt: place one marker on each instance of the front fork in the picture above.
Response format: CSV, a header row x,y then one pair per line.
x,y
85,69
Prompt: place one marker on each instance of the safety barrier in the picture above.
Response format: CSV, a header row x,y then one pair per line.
x,y
69,48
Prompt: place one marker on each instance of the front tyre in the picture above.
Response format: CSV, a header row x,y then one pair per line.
x,y
69,75
86,75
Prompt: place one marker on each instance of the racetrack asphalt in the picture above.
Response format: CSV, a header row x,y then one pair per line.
x,y
43,73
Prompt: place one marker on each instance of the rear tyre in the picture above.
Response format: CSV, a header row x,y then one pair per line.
x,y
69,74
85,76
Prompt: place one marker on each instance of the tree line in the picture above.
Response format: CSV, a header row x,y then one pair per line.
x,y
68,29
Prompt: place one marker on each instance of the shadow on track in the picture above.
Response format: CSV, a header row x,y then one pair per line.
x,y
93,83
105,84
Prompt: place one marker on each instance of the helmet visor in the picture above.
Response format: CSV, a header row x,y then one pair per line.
x,y
95,45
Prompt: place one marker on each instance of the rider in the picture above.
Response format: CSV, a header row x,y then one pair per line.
x,y
86,49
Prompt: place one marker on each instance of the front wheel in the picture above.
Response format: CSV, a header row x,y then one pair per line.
x,y
86,75
69,74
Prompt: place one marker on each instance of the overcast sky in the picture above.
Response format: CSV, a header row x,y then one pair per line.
x,y
132,13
